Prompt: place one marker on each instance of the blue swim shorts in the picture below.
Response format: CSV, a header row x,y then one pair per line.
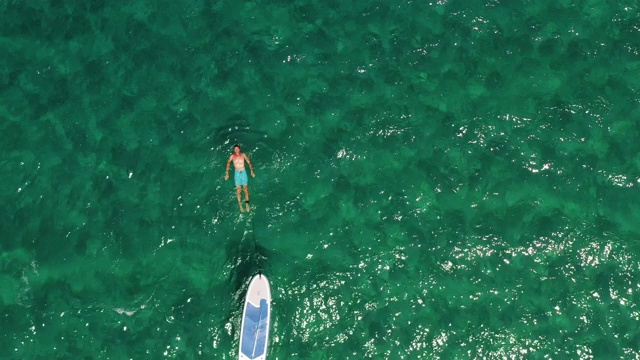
x,y
241,177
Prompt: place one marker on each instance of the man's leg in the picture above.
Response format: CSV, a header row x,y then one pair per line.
x,y
246,197
239,191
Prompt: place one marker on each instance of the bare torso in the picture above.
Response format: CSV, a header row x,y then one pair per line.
x,y
238,161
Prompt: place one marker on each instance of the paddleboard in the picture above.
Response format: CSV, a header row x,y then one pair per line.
x,y
254,332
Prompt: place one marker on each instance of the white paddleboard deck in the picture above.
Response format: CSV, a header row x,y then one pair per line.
x,y
256,316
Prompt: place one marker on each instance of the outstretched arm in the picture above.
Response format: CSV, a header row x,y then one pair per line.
x,y
250,165
226,176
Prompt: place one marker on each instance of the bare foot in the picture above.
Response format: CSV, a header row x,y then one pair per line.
x,y
241,209
248,207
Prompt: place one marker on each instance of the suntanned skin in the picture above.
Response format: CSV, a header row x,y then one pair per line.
x,y
238,158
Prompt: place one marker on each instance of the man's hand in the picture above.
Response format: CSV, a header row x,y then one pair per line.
x,y
252,173
226,177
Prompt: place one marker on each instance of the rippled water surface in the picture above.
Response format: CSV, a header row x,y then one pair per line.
x,y
434,180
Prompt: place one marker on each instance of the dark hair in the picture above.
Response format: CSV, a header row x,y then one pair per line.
x,y
236,145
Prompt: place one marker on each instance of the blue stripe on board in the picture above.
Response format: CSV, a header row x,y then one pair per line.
x,y
254,333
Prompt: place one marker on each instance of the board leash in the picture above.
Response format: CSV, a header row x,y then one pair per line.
x,y
255,245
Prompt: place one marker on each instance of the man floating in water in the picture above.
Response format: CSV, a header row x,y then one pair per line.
x,y
240,176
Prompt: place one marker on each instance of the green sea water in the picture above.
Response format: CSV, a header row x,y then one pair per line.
x,y
434,180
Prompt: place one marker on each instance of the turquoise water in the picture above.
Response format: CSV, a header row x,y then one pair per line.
x,y
434,180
